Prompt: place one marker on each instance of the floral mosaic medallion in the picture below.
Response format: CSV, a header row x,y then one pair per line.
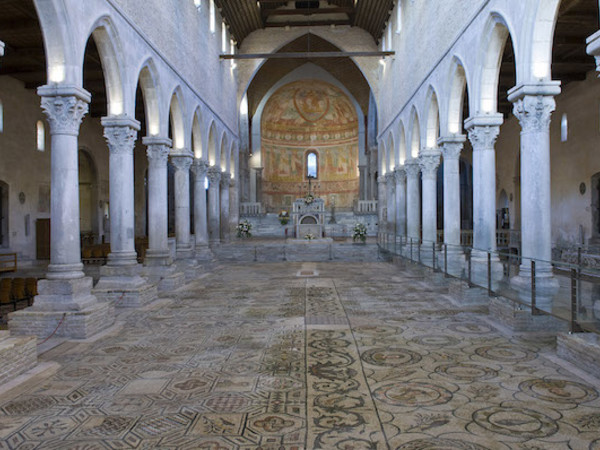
x,y
469,328
413,394
516,422
435,340
505,353
390,357
558,391
466,372
440,444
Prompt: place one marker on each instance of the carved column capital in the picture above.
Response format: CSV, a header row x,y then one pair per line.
x,y
64,107
200,168
181,162
429,161
214,176
483,137
400,175
120,134
225,180
534,112
452,146
412,168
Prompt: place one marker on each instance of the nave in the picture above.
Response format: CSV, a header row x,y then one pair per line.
x,y
304,355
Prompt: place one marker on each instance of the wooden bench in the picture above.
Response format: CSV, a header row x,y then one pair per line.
x,y
8,262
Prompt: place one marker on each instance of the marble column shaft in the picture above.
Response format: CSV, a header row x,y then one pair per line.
x,y
429,161
451,149
534,113
214,178
391,201
182,163
224,203
413,207
200,169
400,178
64,107
120,134
234,203
258,172
158,222
382,203
362,180
483,132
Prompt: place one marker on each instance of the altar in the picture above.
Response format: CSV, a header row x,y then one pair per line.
x,y
308,215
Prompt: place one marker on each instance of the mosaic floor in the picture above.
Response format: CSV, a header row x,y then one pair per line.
x,y
305,356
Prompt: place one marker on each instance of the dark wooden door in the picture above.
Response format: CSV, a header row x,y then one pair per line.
x,y
42,238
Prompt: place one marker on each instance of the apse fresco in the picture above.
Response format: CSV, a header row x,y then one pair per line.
x,y
303,116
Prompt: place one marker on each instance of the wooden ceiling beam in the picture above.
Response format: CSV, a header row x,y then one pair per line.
x,y
305,12
308,23
306,55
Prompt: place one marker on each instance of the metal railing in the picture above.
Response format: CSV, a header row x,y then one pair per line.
x,y
366,207
556,288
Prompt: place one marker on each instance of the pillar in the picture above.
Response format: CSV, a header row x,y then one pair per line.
x,y
65,296
400,178
390,196
214,178
182,163
451,148
413,207
258,172
234,204
224,199
200,168
533,106
429,161
362,179
120,134
381,205
157,152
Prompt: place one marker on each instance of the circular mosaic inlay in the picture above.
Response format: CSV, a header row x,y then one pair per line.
x,y
413,394
390,357
518,422
505,353
466,372
440,444
470,328
558,391
435,340
376,331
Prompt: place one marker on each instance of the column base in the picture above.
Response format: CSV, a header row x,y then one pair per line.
x,y
456,263
479,270
157,258
467,296
76,324
581,350
184,253
123,287
190,268
167,278
203,253
18,355
518,318
546,288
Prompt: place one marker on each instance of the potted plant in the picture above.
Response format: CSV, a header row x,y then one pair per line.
x,y
359,233
309,236
243,229
284,217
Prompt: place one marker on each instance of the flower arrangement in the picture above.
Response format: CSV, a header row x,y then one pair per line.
x,y
284,217
359,232
309,236
309,199
243,229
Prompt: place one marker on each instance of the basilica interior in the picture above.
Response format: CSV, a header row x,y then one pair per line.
x,y
313,224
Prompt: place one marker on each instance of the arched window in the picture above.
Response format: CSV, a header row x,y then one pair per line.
x,y
211,13
198,3
223,37
312,165
564,128
41,136
399,17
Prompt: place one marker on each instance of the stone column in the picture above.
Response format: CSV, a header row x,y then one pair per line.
x,y
400,178
214,178
593,48
413,207
483,131
203,253
362,180
533,106
382,206
182,163
120,134
259,171
429,161
234,204
158,246
120,281
451,148
66,293
390,196
224,228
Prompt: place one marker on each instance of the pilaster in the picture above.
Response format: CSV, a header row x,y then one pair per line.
x,y
214,217
200,169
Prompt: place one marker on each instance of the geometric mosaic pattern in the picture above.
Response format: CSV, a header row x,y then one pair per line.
x,y
302,356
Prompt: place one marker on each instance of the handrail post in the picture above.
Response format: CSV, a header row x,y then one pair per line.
x,y
433,256
573,322
489,273
533,299
469,268
445,260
